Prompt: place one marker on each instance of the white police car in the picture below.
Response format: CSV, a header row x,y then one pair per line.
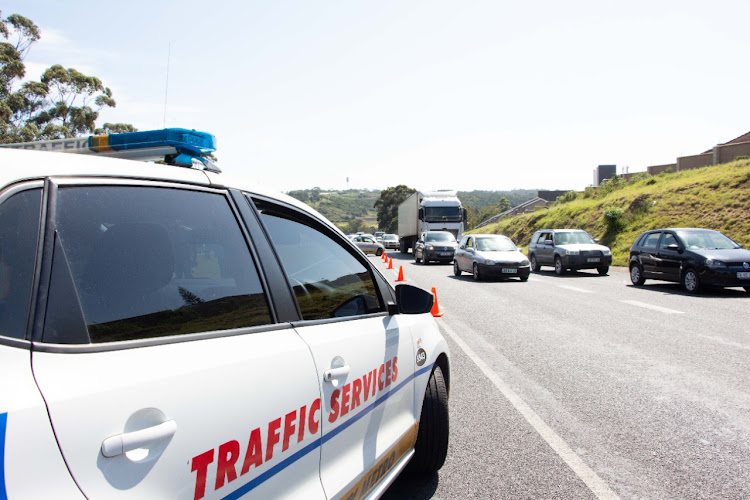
x,y
167,333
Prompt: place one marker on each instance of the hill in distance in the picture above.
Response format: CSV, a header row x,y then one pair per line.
x,y
716,197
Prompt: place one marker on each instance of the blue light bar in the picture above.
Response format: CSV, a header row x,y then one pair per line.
x,y
176,146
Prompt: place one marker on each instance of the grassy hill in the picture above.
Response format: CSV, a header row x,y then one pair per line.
x,y
715,197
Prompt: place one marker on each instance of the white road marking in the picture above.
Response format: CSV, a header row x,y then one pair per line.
x,y
652,307
726,342
579,290
597,486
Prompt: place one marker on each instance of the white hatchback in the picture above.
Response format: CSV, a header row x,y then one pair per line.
x,y
166,332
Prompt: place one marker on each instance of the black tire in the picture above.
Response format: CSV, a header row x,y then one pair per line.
x,y
691,283
379,252
559,269
456,269
603,270
475,272
534,263
432,438
524,278
636,275
747,288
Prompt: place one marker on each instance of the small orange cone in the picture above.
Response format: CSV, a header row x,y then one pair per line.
x,y
435,307
390,263
383,256
400,274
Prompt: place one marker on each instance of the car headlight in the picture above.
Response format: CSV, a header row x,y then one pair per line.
x,y
606,251
572,252
429,247
524,263
715,264
488,262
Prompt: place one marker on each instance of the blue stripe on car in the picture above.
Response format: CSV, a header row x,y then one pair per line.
x,y
245,488
3,424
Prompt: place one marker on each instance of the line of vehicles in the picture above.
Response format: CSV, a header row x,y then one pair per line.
x,y
693,257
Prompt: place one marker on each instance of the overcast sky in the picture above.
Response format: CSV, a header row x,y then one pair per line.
x,y
490,95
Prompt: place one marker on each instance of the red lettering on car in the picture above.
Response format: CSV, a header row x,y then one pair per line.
x,y
229,452
394,367
301,434
356,391
334,406
387,373
289,428
313,424
254,453
345,400
273,437
200,466
381,382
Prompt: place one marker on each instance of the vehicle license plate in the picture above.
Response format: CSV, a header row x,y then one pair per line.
x,y
593,259
510,270
743,275
444,254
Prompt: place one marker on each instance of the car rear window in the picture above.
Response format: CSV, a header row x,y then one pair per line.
x,y
150,262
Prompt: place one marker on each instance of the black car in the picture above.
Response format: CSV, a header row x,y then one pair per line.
x,y
435,245
690,256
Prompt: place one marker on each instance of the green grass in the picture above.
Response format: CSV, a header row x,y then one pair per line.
x,y
716,197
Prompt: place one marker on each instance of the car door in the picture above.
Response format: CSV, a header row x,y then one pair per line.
x,y
545,249
669,263
648,256
461,253
164,369
365,358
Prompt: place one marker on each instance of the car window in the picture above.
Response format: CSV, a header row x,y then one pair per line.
x,y
328,281
667,239
19,229
439,237
651,240
706,240
150,262
495,244
544,237
470,243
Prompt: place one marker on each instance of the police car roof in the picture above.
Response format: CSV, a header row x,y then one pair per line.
x,y
19,165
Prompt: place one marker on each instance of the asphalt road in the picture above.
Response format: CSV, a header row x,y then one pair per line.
x,y
584,386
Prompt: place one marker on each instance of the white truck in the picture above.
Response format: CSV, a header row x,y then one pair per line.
x,y
433,211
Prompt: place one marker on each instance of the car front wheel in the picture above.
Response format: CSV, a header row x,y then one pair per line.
x,y
432,438
559,269
475,272
534,264
636,275
603,269
456,269
690,281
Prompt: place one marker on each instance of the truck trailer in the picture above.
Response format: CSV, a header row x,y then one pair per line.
x,y
429,211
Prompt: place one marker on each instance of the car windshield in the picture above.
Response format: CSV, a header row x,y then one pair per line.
x,y
706,240
439,237
572,238
496,244
390,237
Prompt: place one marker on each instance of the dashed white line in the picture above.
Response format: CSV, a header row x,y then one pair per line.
x,y
575,289
726,342
644,305
597,486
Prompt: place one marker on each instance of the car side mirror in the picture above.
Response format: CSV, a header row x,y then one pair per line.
x,y
674,247
548,242
596,240
411,299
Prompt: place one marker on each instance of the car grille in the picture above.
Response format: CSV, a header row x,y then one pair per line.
x,y
591,253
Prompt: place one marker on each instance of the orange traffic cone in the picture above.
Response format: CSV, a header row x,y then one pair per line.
x,y
383,256
390,263
400,274
435,307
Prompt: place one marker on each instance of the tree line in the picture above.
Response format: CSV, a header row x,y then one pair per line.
x,y
64,103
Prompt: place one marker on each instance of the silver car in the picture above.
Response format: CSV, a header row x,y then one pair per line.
x,y
368,244
490,255
390,241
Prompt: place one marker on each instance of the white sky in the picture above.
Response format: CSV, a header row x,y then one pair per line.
x,y
484,94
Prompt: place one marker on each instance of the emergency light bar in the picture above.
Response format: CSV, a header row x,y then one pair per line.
x,y
176,146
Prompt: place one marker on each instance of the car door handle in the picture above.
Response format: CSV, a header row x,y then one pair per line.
x,y
342,371
128,441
